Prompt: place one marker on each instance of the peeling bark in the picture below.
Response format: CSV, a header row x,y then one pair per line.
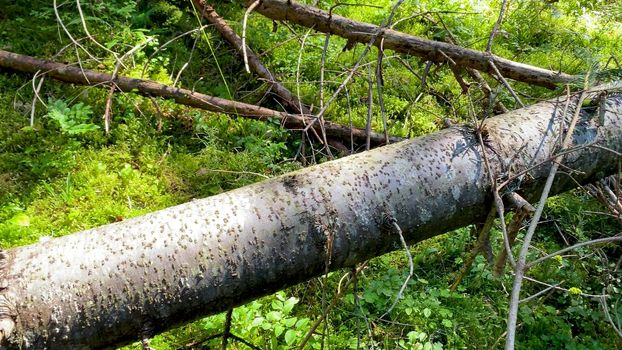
x,y
436,51
107,285
75,75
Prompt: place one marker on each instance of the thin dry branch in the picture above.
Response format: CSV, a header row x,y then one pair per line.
x,y
522,258
108,109
74,75
333,303
484,235
251,59
617,238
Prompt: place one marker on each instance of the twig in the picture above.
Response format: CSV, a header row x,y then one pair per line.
x,y
322,68
108,109
411,266
545,290
505,82
617,238
498,202
548,160
244,22
36,97
521,213
227,332
371,42
158,112
483,234
74,41
379,85
291,101
350,123
616,328
370,105
334,302
520,263
475,74
161,47
323,138
494,30
586,295
90,37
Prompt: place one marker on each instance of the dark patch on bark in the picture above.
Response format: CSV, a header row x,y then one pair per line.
x,y
291,183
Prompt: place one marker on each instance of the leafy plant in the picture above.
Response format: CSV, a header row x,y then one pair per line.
x,y
74,120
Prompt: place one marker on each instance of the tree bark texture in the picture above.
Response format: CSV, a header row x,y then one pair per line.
x,y
285,96
115,283
75,75
436,51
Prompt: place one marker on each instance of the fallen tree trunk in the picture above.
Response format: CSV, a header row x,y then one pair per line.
x,y
436,51
118,282
75,75
286,97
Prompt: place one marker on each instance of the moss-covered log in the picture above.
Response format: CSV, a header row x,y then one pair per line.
x,y
115,283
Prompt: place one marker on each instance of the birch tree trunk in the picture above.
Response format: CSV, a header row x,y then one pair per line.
x,y
115,283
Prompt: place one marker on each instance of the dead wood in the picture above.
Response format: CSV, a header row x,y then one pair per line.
x,y
431,50
75,75
285,96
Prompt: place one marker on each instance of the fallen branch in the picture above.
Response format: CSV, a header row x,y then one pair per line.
x,y
75,75
430,50
286,97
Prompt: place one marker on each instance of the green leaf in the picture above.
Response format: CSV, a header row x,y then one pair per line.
x,y
20,219
427,312
274,316
289,305
290,321
447,323
278,329
257,321
290,337
277,305
302,323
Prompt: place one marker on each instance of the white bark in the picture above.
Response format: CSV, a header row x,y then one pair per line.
x,y
113,283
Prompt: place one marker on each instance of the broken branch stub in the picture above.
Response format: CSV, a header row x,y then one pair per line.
x,y
103,286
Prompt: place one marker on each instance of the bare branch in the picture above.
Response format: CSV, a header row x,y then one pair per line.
x,y
521,262
75,75
617,238
428,49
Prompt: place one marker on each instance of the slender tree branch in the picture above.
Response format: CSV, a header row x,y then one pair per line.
x,y
617,238
70,74
521,262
